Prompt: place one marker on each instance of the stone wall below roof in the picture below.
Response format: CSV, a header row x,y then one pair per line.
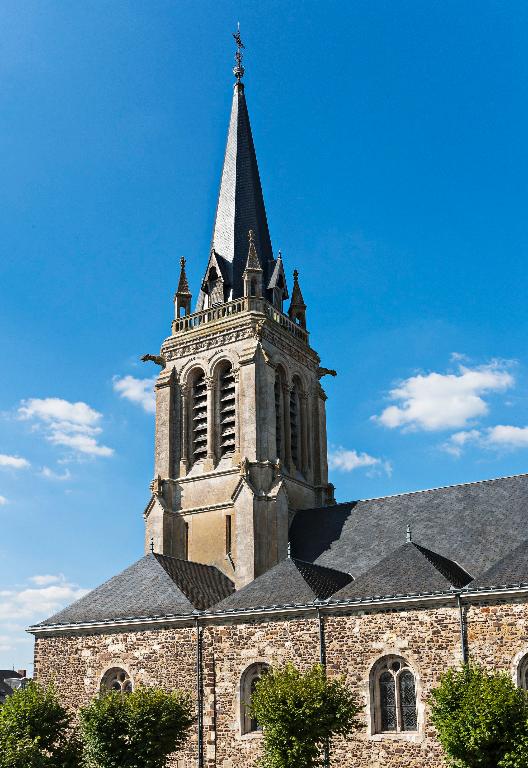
x,y
428,638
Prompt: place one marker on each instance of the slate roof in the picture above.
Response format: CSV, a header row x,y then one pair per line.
x,y
509,571
409,570
6,674
154,586
474,524
290,582
240,204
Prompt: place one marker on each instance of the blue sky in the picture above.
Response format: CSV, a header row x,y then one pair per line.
x,y
391,140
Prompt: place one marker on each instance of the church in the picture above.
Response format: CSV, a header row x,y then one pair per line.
x,y
250,563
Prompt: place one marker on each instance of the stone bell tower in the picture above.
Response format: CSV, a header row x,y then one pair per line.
x,y
240,413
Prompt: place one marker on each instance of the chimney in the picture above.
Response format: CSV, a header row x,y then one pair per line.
x,y
22,672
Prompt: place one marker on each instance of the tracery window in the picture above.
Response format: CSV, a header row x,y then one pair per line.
x,y
249,679
393,692
522,673
296,425
116,679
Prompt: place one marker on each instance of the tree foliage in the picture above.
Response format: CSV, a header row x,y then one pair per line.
x,y
138,730
36,731
481,719
299,713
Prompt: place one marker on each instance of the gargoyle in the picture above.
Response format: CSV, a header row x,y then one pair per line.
x,y
325,372
158,359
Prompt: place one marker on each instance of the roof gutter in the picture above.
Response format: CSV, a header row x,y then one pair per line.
x,y
328,606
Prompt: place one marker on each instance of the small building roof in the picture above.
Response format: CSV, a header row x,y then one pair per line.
x,y
290,582
156,585
409,570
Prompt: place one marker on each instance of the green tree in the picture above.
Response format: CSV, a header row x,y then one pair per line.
x,y
299,713
481,719
138,730
36,731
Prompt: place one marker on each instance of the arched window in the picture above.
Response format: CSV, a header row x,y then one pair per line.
x,y
296,425
226,409
199,417
393,696
279,415
249,679
522,673
116,679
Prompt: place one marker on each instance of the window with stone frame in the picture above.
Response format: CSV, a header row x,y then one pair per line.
x,y
393,696
116,679
249,679
522,673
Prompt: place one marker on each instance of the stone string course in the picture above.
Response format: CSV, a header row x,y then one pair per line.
x,y
428,638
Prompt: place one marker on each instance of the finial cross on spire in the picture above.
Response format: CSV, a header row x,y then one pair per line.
x,y
238,70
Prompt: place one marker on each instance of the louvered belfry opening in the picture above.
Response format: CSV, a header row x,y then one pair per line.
x,y
295,425
278,417
227,411
199,417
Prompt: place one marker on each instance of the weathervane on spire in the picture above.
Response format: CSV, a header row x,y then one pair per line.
x,y
238,70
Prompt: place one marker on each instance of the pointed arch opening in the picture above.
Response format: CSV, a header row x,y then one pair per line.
x,y
393,696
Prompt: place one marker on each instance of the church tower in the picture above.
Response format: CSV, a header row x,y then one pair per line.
x,y
240,414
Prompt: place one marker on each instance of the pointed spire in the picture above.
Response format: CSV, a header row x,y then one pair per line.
x,y
252,259
297,310
240,204
183,285
183,296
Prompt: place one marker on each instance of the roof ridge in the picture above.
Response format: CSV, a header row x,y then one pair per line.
x,y
317,565
436,488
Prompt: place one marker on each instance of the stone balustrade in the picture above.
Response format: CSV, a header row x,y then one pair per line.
x,y
221,312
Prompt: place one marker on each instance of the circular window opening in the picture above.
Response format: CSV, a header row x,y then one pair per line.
x,y
116,679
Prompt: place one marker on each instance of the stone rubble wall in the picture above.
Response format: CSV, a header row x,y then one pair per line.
x,y
428,638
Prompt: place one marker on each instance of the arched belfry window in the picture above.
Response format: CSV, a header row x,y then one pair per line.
x,y
226,409
522,673
393,696
296,424
248,681
116,679
279,390
199,416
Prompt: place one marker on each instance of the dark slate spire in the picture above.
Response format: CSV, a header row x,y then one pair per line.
x,y
240,205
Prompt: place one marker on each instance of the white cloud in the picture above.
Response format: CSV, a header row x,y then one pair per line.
x,y
14,462
49,474
21,606
501,436
35,603
55,410
437,401
349,460
46,579
72,425
459,440
507,436
138,391
3,501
